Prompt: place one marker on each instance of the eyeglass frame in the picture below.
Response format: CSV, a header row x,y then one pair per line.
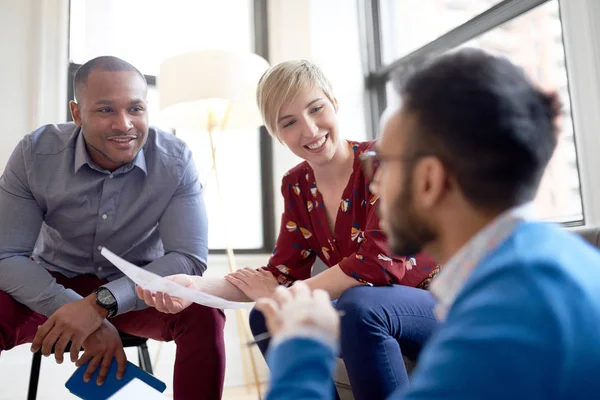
x,y
368,157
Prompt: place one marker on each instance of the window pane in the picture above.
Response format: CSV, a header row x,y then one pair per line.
x,y
144,32
409,24
534,41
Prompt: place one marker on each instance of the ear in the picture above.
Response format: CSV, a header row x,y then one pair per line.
x,y
75,112
430,182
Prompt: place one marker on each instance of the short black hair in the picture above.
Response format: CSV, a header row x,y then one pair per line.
x,y
103,63
486,121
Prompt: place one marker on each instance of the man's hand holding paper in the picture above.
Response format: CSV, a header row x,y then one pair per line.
x,y
162,301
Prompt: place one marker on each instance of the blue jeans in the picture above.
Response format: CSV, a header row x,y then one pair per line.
x,y
379,326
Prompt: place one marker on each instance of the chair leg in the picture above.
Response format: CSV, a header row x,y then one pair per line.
x,y
144,358
34,376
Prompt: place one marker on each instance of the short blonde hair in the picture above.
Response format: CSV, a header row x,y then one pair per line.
x,y
282,83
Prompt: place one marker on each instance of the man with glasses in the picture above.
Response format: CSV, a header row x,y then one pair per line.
x,y
460,163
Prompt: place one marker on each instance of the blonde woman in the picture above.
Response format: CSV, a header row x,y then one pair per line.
x,y
330,213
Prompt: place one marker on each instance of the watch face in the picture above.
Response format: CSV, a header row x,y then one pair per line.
x,y
105,297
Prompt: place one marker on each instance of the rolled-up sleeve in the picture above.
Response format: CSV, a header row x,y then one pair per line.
x,y
184,232
20,221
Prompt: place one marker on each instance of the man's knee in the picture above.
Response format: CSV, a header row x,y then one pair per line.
x,y
18,323
201,318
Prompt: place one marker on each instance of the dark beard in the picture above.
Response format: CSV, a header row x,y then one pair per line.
x,y
408,233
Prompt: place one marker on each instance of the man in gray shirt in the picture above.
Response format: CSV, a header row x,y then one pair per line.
x,y
106,180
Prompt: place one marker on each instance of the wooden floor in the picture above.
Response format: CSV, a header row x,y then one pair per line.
x,y
242,393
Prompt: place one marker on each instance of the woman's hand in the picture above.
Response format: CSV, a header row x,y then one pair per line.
x,y
255,283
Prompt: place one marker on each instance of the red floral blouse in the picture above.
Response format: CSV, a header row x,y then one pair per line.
x,y
357,244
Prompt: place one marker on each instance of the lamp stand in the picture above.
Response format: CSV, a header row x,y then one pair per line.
x,y
247,353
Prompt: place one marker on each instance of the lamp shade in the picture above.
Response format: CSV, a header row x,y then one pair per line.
x,y
192,85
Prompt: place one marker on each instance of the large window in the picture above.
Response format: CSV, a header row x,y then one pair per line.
x,y
527,32
409,24
145,32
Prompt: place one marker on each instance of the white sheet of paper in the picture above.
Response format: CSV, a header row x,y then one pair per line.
x,y
156,283
137,389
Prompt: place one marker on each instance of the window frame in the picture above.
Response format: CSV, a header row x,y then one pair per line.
x,y
378,74
261,35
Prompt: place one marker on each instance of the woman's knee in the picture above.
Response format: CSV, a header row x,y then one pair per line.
x,y
257,321
376,305
354,306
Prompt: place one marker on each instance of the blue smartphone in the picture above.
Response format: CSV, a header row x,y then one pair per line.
x,y
91,391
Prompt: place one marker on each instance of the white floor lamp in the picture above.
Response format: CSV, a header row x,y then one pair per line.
x,y
212,91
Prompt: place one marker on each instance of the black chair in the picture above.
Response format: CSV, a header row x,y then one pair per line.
x,y
128,341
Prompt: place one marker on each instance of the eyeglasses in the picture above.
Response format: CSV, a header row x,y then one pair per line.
x,y
371,159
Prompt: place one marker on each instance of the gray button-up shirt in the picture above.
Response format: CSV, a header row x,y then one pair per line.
x,y
58,209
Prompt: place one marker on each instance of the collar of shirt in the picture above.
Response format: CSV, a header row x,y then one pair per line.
x,y
455,273
82,157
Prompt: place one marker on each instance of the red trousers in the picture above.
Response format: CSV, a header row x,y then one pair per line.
x,y
197,332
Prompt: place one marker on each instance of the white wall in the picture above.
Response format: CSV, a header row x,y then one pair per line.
x,y
15,86
33,70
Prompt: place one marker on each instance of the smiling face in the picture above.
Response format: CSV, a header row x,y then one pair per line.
x,y
308,126
111,111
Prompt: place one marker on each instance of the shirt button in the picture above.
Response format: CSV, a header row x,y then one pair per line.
x,y
104,216
99,269
110,176
99,248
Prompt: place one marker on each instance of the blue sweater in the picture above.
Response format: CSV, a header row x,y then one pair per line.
x,y
526,325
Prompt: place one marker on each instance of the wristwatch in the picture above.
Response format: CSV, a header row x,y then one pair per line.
x,y
105,299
